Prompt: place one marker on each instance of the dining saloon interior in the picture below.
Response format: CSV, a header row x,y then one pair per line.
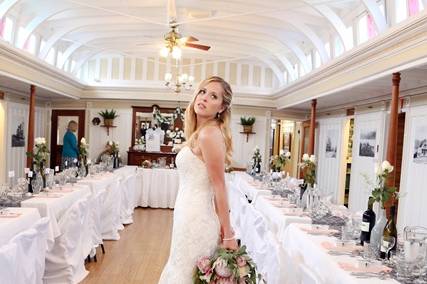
x,y
328,180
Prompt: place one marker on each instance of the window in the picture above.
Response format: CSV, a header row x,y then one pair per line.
x,y
50,58
42,44
328,48
414,6
362,29
285,77
338,47
59,59
73,65
31,44
6,28
301,70
309,61
349,37
401,10
317,61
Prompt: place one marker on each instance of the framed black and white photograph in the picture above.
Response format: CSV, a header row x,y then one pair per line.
x,y
331,143
18,137
420,145
368,138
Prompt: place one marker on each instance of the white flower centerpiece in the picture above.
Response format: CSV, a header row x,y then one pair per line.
x,y
176,135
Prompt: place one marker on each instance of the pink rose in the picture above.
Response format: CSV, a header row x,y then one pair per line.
x,y
204,264
242,280
241,261
221,268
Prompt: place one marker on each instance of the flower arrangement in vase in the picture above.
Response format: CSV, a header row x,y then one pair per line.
x,y
139,144
40,156
308,166
176,135
256,160
381,192
83,153
277,162
226,267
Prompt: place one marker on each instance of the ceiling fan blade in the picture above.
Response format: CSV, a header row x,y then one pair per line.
x,y
171,12
198,46
186,39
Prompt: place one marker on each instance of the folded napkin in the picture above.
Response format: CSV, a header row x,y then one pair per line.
x,y
318,231
347,248
64,190
371,268
51,195
10,215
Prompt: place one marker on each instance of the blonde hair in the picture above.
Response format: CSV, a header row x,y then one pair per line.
x,y
222,119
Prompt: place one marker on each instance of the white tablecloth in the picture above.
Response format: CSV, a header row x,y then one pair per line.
x,y
307,249
246,184
54,208
9,227
130,191
275,217
108,185
159,188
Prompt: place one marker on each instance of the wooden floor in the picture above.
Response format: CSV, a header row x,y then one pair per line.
x,y
139,255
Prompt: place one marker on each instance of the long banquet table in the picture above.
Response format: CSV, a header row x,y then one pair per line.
x,y
283,244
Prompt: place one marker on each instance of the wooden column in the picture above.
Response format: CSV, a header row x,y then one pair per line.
x,y
392,127
312,127
30,141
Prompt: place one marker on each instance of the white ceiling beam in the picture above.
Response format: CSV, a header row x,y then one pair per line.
x,y
6,6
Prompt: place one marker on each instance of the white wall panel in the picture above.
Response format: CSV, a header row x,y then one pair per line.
x,y
16,113
363,165
328,164
412,206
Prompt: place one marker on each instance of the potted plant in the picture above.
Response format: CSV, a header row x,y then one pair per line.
x,y
247,123
108,116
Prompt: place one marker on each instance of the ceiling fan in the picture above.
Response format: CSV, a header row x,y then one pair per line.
x,y
173,38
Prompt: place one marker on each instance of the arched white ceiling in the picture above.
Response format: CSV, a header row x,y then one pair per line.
x,y
277,33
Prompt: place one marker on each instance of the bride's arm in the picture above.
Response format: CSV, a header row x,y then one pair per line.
x,y
211,144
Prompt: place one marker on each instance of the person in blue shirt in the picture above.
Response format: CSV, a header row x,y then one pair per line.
x,y
70,150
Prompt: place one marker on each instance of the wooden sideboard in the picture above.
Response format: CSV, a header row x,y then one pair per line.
x,y
136,158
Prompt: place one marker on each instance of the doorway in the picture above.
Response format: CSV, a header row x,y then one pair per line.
x,y
346,161
60,120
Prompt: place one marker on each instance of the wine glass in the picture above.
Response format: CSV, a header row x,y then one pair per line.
x,y
387,243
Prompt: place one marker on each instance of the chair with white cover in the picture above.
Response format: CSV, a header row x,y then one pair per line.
x,y
110,212
292,260
274,261
95,220
8,263
308,276
65,262
28,249
42,228
127,195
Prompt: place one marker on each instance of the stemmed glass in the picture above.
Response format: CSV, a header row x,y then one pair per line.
x,y
387,243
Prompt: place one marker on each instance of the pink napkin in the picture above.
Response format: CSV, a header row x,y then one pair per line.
x,y
352,267
346,248
10,215
318,231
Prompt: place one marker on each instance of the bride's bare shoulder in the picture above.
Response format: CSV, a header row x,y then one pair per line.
x,y
210,133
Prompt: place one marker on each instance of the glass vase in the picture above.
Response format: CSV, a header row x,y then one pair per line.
x,y
378,229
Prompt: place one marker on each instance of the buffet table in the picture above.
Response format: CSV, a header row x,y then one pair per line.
x,y
159,187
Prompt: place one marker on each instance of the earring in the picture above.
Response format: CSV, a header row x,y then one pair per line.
x,y
218,115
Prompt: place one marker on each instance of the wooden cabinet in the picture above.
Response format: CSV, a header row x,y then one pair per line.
x,y
136,158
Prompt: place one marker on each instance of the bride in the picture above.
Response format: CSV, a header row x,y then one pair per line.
x,y
201,216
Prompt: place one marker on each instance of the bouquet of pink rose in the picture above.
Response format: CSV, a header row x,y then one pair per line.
x,y
226,267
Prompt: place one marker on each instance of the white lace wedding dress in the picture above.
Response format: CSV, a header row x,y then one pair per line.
x,y
196,227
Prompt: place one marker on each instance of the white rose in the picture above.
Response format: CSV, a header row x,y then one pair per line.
x,y
117,144
313,159
39,140
110,143
377,169
83,141
386,166
288,154
43,140
281,152
168,132
305,157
